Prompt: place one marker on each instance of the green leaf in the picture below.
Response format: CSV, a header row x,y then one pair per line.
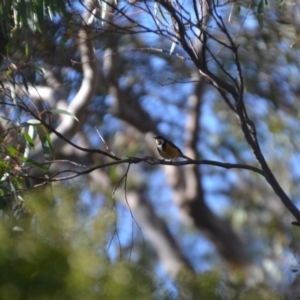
x,y
11,150
161,12
46,148
40,16
22,12
48,138
4,170
5,8
46,142
9,73
28,139
260,14
113,175
237,8
34,163
27,50
62,111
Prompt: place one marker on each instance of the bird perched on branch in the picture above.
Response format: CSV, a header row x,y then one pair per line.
x,y
167,149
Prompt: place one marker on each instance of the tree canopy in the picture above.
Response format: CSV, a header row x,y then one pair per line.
x,y
88,208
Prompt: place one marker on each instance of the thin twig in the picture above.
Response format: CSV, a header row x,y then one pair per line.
x,y
107,148
129,208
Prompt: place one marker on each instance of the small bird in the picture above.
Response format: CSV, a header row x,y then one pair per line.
x,y
167,149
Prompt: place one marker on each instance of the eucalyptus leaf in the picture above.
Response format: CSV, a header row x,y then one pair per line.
x,y
34,163
29,139
63,112
33,122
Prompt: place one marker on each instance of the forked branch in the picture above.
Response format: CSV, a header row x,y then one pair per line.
x,y
233,95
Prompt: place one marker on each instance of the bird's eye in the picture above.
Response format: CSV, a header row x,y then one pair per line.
x,y
159,142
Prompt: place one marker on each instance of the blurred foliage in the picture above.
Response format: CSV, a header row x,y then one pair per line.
x,y
62,254
57,251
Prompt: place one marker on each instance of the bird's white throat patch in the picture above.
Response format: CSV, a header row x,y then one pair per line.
x,y
159,142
